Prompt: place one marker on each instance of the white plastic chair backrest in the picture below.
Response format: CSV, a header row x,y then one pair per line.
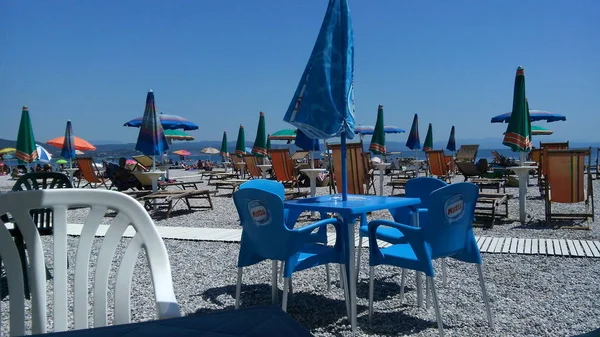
x,y
129,212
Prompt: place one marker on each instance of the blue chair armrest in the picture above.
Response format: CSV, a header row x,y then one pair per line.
x,y
321,223
413,235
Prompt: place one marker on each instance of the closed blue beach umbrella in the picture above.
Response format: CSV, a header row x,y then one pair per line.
x,y
323,104
151,139
68,148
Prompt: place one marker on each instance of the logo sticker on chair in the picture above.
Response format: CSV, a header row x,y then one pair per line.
x,y
259,213
454,208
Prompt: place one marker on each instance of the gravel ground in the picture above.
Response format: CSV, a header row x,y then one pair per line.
x,y
531,295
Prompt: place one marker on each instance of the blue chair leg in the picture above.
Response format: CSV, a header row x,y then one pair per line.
x,y
287,282
371,276
436,305
274,288
358,255
328,277
402,284
238,288
486,299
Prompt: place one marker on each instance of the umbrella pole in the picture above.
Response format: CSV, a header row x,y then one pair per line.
x,y
312,159
344,173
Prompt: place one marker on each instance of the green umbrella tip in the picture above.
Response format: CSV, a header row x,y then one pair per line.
x,y
380,106
241,126
262,114
520,70
25,107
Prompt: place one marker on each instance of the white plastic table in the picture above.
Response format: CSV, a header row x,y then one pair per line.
x,y
70,172
523,173
312,174
154,175
381,167
264,168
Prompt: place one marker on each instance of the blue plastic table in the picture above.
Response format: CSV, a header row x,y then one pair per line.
x,y
251,322
349,210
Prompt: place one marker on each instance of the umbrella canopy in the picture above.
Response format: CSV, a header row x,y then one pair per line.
x,y
26,151
240,146
168,122
368,129
178,135
7,150
413,142
151,139
378,141
451,141
209,150
79,143
306,143
43,155
68,148
182,153
79,152
538,130
285,134
534,116
428,144
260,143
61,161
224,146
323,104
518,132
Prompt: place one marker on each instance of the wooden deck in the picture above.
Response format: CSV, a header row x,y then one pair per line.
x,y
550,247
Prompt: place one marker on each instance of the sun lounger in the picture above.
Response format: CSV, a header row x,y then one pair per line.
x,y
467,153
90,172
397,184
490,183
169,199
468,169
231,184
489,206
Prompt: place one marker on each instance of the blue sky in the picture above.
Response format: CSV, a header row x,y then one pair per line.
x,y
219,63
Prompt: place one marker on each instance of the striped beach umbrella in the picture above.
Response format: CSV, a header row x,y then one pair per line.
x,y
518,132
413,142
224,146
26,150
260,142
240,146
168,122
451,141
378,140
42,154
428,144
151,139
68,148
172,135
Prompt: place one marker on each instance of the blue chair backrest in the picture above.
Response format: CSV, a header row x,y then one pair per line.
x,y
265,185
418,188
261,214
449,230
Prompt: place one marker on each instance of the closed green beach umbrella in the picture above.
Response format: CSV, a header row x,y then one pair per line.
x,y
451,146
428,144
260,143
224,147
518,132
378,140
240,147
26,151
268,143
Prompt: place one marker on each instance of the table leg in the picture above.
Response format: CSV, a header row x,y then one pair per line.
x,y
523,181
313,191
380,182
154,190
351,263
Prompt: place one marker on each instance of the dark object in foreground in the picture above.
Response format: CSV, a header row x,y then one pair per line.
x,y
267,321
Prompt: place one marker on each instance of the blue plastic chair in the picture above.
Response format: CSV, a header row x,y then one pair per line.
x,y
415,188
447,234
265,236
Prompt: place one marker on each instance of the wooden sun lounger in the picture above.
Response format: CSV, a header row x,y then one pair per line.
x,y
218,175
168,199
490,183
397,184
181,184
231,184
489,206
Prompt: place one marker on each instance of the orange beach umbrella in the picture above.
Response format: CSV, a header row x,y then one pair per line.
x,y
80,144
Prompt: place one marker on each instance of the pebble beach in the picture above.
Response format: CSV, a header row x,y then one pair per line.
x,y
531,295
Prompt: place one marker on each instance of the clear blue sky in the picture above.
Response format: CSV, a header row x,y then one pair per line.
x,y
219,63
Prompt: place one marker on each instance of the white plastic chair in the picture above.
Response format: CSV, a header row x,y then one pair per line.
x,y
129,212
